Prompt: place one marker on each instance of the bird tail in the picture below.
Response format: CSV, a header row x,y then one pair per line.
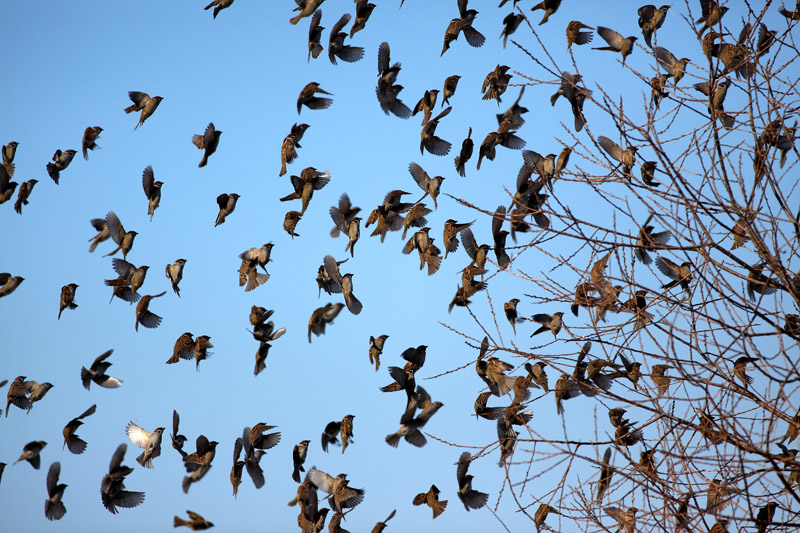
x,y
130,109
178,521
86,378
52,171
393,440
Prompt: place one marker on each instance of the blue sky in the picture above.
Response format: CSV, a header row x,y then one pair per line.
x,y
71,66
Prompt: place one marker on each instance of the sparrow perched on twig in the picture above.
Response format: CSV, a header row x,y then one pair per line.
x,y
208,142
144,103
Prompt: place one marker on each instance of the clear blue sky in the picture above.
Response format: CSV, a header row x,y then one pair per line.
x,y
70,65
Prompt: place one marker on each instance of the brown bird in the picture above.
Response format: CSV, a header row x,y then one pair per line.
x,y
428,139
712,13
679,274
177,439
549,7
673,66
415,218
174,273
651,18
344,282
496,83
208,142
510,308
152,189
426,183
61,162
151,442
308,99
380,526
97,373
431,499
376,349
315,35
514,113
661,379
200,352
124,239
626,158
218,6
740,367
321,317
426,105
9,151
450,234
472,499
510,24
449,89
310,180
336,46
649,241
101,227
463,24
72,441
17,395
576,96
616,42
290,143
306,9
144,316
196,522
347,431
290,222
142,102
342,496
30,453
67,298
606,470
348,227
23,194
576,36
227,204
363,12
90,137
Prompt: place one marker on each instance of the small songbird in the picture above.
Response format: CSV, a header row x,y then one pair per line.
x,y
9,151
649,241
306,9
627,157
178,440
290,222
342,496
449,89
238,466
510,308
349,227
426,105
36,391
472,499
345,283
606,470
299,454
152,190
549,322
347,210
251,260
103,235
174,274
467,146
200,352
208,142
576,36
54,508
315,35
661,379
426,183
658,84
428,139
151,442
67,298
651,18
145,317
112,488
712,13
510,25
330,434
679,274
144,103
16,395
616,42
363,12
61,162
218,6
625,520
226,203
463,24
23,194
30,453
73,442
648,170
739,368
346,431
90,137
97,373
431,499
290,144
376,349
310,180
308,99
514,114
549,7
496,83
124,239
450,235
196,522
673,66
336,46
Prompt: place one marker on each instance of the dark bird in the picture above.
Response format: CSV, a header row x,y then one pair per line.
x,y
504,136
151,442
227,204
363,12
606,470
649,240
496,83
673,66
196,522
449,89
9,151
144,316
574,94
61,162
90,136
67,298
336,46
290,143
290,222
648,169
23,194
36,391
112,488
514,113
308,99
626,158
72,441
549,7
466,153
321,317
463,24
679,274
499,237
306,9
472,499
30,453
415,218
510,25
387,90
576,36
548,322
428,139
616,42
7,187
541,515
315,35
342,496
54,508
651,19
252,459
712,13
658,85
510,308
740,368
101,227
97,373
142,102
134,276
330,435
208,142
765,516
299,454
431,499
177,439
349,227
344,282
218,6
124,239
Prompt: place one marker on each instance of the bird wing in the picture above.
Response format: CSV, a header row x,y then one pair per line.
x,y
613,38
341,23
137,435
383,57
322,480
333,270
148,178
419,175
52,477
102,357
123,268
115,228
668,268
611,148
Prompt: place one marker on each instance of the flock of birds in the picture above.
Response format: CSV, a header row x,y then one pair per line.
x,y
538,174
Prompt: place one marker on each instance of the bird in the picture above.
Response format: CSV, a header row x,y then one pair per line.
x,y
252,259
346,430
740,367
431,499
177,439
606,470
67,298
712,13
575,95
123,239
673,66
174,274
7,187
510,24
151,442
54,508
648,169
61,162
504,136
625,520
658,84
112,487
315,35
472,499
510,308
30,453
207,142
549,7
97,373
196,522
9,283
306,9
348,211
321,317
144,103
23,194
496,83
100,225
349,227
73,442
428,139
183,349
549,322
449,89
336,46
463,24
132,275
307,97
9,151
363,12
651,19
144,316
387,90
310,180
330,434
376,349
616,42
576,36
218,6
430,186
200,459
679,274
299,454
90,136
237,468
464,155
513,113
290,144
661,379
344,282
201,346
342,496
450,234
227,204
765,516
627,157
426,105
649,241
